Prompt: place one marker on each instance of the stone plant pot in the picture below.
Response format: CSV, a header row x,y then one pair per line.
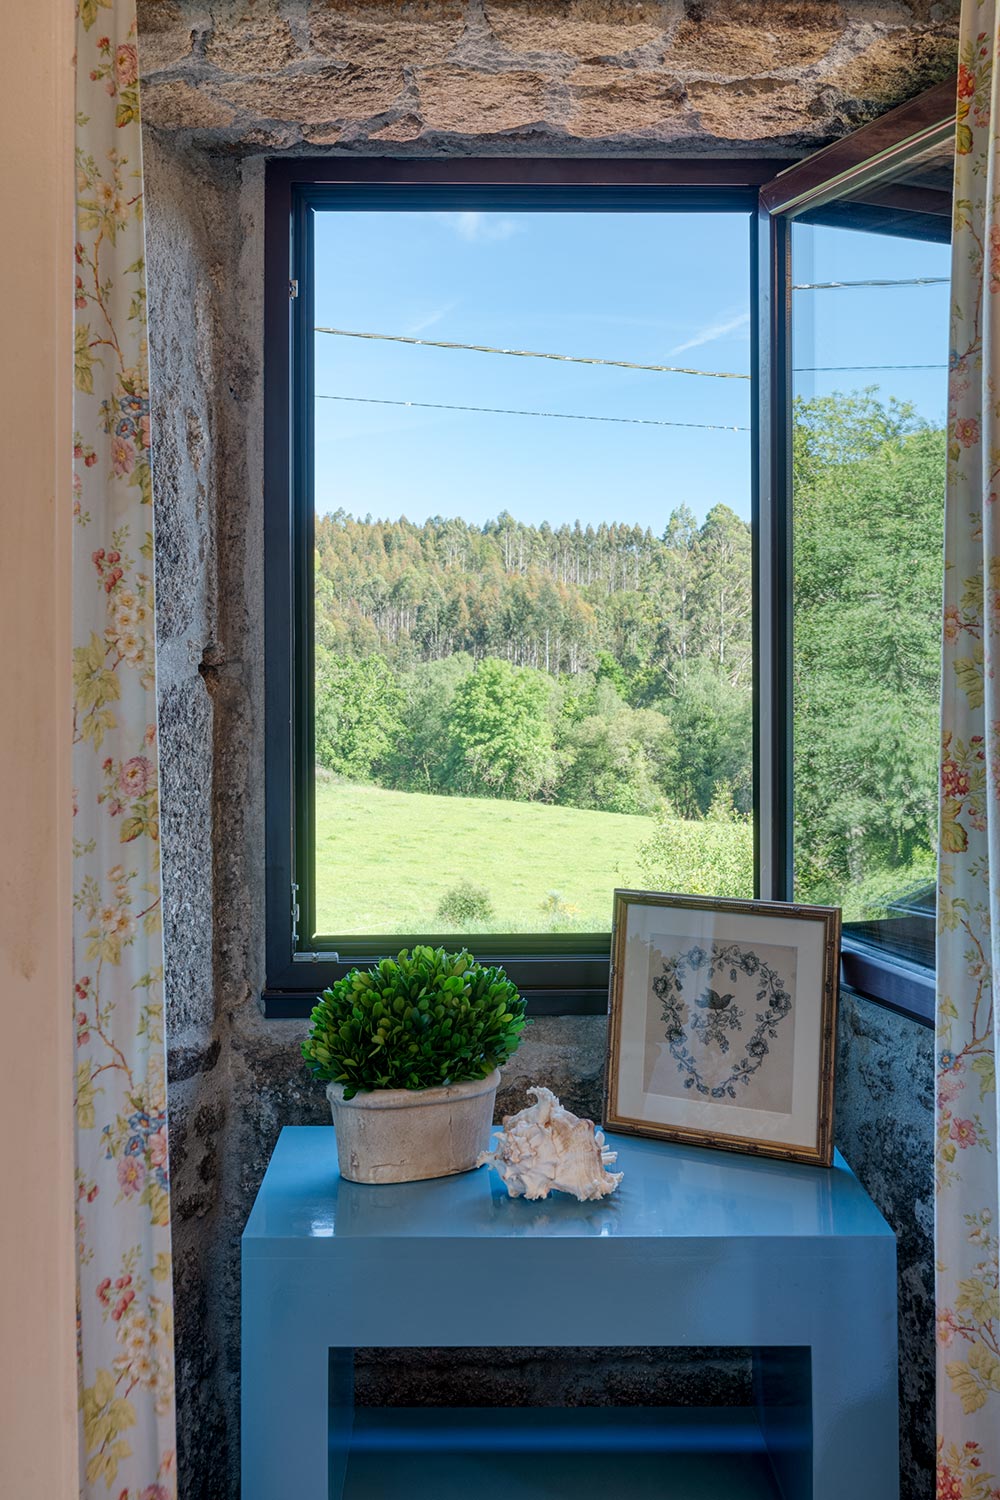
x,y
406,1135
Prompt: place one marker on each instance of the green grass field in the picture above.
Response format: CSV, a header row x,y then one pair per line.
x,y
384,860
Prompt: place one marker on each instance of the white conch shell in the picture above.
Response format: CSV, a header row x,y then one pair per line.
x,y
546,1148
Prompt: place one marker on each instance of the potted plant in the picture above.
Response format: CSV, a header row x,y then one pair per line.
x,y
411,1051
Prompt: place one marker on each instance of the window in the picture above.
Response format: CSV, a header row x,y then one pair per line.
x,y
528,624
867,275
869,335
531,603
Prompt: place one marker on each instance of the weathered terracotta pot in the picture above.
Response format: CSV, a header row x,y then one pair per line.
x,y
406,1135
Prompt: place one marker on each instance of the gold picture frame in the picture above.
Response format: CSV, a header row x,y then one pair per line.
x,y
695,1064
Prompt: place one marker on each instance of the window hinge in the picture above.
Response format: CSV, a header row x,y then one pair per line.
x,y
306,958
293,288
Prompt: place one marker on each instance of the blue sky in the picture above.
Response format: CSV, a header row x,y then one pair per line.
x,y
900,325
649,288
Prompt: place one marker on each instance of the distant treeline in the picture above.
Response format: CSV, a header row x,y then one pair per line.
x,y
557,599
568,663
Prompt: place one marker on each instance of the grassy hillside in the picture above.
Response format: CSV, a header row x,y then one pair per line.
x,y
385,859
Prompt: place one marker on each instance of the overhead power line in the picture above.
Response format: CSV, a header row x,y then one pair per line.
x,y
624,364
569,359
836,286
504,411
859,369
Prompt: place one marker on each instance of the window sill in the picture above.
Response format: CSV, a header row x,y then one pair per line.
x,y
908,989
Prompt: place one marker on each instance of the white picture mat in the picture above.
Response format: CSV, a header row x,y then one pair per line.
x,y
770,1087
799,1127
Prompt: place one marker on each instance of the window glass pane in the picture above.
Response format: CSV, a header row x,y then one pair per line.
x,y
533,612
869,342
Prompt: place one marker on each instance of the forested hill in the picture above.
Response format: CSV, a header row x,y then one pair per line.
x,y
564,600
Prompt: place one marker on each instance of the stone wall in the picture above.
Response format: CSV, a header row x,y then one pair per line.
x,y
224,84
557,76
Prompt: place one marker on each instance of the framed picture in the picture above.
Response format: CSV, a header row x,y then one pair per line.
x,y
722,1023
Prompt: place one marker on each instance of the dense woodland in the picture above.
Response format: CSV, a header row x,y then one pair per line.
x,y
610,667
558,600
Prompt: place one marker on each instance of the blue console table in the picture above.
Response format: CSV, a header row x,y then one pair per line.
x,y
695,1248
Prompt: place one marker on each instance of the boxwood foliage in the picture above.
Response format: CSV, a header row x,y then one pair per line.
x,y
424,1018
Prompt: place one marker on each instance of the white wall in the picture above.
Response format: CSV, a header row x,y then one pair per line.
x,y
38,1444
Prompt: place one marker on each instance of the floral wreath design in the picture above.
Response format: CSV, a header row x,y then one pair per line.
x,y
713,1015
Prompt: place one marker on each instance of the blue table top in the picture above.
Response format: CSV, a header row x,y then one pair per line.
x,y
669,1191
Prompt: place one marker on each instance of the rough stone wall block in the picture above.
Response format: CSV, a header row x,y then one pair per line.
x,y
538,76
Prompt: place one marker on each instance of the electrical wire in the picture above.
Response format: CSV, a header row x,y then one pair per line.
x,y
861,369
504,411
836,286
570,359
623,364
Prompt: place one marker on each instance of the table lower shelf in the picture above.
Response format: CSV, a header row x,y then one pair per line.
x,y
578,1453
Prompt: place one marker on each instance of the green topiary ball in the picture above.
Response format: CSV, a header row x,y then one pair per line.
x,y
416,1021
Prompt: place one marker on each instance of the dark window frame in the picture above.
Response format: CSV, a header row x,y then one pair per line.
x,y
560,974
823,179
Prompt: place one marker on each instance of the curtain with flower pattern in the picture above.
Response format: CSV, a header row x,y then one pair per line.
x,y
124,1288
968,1311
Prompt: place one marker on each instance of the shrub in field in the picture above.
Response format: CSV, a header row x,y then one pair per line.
x,y
710,857
465,905
562,914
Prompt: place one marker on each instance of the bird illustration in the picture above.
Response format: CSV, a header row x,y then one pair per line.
x,y
712,1000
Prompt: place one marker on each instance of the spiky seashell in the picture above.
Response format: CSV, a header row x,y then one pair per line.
x,y
546,1148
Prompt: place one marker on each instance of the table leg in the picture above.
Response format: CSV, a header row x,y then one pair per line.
x,y
855,1415
297,1407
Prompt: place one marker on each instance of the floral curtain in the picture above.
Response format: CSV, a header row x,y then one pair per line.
x,y
124,1289
967,1208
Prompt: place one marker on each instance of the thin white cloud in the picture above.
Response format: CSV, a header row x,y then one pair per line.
x,y
428,320
613,320
481,228
713,331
